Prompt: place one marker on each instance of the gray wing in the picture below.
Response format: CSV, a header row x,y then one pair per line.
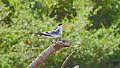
x,y
54,32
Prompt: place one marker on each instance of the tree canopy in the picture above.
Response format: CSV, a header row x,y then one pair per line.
x,y
93,27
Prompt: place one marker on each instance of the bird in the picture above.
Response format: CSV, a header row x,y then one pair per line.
x,y
54,33
77,66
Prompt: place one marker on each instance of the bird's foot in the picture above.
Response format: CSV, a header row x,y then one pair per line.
x,y
59,39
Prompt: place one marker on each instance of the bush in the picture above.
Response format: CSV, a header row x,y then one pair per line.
x,y
93,31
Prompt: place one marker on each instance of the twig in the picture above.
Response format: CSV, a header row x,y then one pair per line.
x,y
46,53
66,60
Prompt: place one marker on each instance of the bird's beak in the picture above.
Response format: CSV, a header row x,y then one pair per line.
x,y
66,26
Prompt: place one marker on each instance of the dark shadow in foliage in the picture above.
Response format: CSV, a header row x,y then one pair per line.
x,y
113,61
40,8
106,15
7,19
63,9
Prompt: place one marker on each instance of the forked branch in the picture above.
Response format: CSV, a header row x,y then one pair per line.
x,y
68,58
46,53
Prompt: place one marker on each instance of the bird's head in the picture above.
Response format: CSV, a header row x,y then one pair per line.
x,y
66,26
59,24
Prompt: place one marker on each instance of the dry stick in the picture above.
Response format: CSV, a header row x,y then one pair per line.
x,y
66,60
46,53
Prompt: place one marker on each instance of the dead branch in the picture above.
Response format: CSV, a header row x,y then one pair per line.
x,y
46,53
66,60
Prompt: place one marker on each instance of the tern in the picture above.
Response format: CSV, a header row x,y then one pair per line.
x,y
53,34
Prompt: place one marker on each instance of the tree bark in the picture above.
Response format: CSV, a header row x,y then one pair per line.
x,y
68,58
46,53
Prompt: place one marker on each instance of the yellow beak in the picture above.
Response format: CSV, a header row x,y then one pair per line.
x,y
66,26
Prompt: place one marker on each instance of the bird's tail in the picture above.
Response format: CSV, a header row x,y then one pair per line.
x,y
41,33
38,33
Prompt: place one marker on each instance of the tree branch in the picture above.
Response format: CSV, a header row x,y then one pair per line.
x,y
46,53
66,60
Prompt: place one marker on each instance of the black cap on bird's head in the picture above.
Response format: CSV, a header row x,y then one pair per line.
x,y
59,24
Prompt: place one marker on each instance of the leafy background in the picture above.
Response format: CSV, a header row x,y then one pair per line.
x,y
93,27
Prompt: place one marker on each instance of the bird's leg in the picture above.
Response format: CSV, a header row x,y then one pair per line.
x,y
58,39
54,41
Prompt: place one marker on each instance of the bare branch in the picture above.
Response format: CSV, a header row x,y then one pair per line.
x,y
66,60
46,53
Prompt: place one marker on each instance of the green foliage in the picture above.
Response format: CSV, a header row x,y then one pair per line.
x,y
104,13
93,28
64,8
